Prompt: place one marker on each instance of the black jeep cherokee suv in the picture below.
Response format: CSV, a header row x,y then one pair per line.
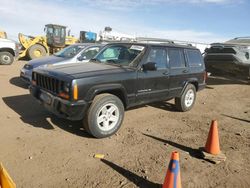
x,y
122,75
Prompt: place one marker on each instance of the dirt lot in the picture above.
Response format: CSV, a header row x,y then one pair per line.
x,y
41,150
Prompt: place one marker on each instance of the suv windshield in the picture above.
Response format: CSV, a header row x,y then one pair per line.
x,y
69,51
120,54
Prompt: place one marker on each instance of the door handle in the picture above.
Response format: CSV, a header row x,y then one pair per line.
x,y
185,71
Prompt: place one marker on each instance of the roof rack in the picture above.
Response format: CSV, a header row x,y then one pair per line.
x,y
153,40
162,41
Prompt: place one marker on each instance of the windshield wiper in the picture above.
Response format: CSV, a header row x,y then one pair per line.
x,y
95,60
58,55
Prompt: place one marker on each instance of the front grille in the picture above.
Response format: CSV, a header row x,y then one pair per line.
x,y
225,50
47,83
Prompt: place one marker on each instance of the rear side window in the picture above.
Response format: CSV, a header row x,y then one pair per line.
x,y
158,56
194,58
176,58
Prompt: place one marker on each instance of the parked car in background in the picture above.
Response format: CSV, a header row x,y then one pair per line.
x,y
8,51
76,53
232,56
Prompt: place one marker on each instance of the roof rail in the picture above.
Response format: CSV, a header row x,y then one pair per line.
x,y
150,40
162,41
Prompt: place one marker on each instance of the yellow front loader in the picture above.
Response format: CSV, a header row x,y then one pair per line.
x,y
39,46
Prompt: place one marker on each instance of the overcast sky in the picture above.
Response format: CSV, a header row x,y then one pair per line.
x,y
192,20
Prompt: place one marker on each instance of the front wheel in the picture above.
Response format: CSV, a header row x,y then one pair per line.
x,y
187,99
36,51
105,116
6,58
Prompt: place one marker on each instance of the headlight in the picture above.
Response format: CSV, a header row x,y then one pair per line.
x,y
66,87
28,66
64,91
248,47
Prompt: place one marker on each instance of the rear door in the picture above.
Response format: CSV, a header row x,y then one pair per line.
x,y
154,85
179,70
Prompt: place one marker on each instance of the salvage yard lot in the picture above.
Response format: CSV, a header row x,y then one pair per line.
x,y
41,150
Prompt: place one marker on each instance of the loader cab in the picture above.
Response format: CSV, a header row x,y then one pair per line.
x,y
56,35
87,36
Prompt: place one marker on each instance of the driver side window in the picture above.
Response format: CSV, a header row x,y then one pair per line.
x,y
158,56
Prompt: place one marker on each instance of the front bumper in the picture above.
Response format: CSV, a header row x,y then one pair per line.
x,y
58,106
226,63
225,60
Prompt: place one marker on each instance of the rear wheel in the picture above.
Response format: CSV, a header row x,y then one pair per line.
x,y
104,116
6,58
36,51
187,99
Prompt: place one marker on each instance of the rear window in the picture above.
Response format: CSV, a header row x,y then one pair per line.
x,y
194,58
176,58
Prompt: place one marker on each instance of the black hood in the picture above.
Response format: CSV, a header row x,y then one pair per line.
x,y
80,70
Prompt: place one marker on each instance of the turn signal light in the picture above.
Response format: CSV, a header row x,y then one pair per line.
x,y
75,93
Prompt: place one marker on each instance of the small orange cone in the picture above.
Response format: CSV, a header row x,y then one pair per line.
x,y
212,145
5,179
173,177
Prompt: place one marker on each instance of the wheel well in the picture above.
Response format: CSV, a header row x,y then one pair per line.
x,y
7,50
195,84
118,93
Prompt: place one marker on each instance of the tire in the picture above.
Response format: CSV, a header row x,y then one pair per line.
x,y
6,58
100,108
36,51
187,99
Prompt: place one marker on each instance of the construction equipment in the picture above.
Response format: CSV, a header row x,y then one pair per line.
x,y
87,36
38,46
110,35
3,35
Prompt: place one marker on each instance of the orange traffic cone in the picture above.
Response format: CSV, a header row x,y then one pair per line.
x,y
5,179
173,177
212,145
212,152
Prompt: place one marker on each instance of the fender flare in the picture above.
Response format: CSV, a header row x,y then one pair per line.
x,y
115,89
191,81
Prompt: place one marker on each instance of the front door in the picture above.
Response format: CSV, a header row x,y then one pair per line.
x,y
153,85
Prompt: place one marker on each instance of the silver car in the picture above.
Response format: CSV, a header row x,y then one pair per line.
x,y
76,53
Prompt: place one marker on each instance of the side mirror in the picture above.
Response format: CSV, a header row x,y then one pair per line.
x,y
150,66
81,58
